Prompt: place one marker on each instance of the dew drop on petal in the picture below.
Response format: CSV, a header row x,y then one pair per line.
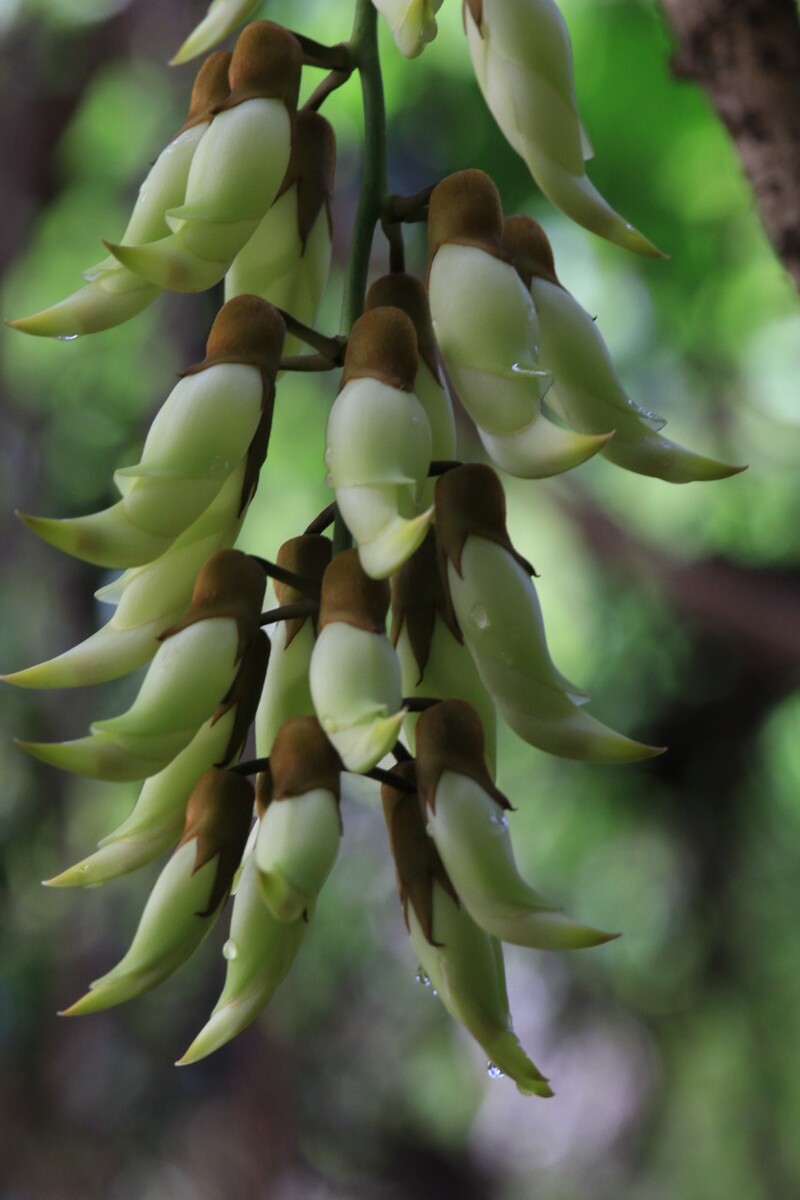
x,y
423,977
67,337
494,1072
479,616
499,819
230,949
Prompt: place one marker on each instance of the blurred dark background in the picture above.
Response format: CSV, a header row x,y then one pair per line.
x,y
675,1051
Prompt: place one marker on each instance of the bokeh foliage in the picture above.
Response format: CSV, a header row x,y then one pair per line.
x,y
674,1050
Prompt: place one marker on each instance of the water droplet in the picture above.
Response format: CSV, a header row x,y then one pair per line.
x,y
494,1072
84,868
423,977
534,372
499,819
479,616
230,949
67,337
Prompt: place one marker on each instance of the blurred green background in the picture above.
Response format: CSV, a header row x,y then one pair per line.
x,y
675,1051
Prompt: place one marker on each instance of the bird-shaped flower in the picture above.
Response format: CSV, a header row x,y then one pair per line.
x,y
379,442
498,611
188,895
413,23
236,171
354,674
487,328
522,56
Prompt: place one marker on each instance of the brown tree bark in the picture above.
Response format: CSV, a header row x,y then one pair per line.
x,y
745,54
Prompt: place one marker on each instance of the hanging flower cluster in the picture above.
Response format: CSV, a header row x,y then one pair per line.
x,y
401,640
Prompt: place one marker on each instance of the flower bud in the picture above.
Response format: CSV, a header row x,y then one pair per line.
x,y
487,326
586,391
465,817
430,647
208,424
354,674
522,58
157,818
188,894
498,611
236,171
413,23
379,442
192,672
222,18
288,258
287,692
298,838
463,963
114,294
259,953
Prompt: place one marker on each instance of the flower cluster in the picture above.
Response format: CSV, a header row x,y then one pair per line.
x,y
401,640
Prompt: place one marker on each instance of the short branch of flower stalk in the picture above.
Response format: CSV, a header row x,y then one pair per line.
x,y
408,210
397,251
332,348
299,582
307,363
395,781
322,520
328,58
440,466
288,612
401,753
251,767
419,703
329,85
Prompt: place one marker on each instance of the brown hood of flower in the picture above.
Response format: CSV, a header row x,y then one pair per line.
x,y
301,759
470,501
528,247
449,737
218,814
244,695
382,345
418,595
210,89
266,64
246,330
416,859
350,596
230,584
466,209
311,169
476,10
307,556
409,294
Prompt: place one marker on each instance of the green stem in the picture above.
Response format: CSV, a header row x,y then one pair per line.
x,y
363,47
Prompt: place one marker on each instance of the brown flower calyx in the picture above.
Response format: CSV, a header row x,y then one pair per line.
x,y
449,737
246,330
416,859
302,759
418,596
219,813
470,501
382,345
466,210
244,695
311,170
349,595
408,293
528,247
307,556
266,64
230,584
209,90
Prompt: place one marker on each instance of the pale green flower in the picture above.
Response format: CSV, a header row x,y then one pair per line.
x,y
222,18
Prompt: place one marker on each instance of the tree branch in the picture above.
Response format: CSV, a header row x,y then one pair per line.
x,y
745,54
